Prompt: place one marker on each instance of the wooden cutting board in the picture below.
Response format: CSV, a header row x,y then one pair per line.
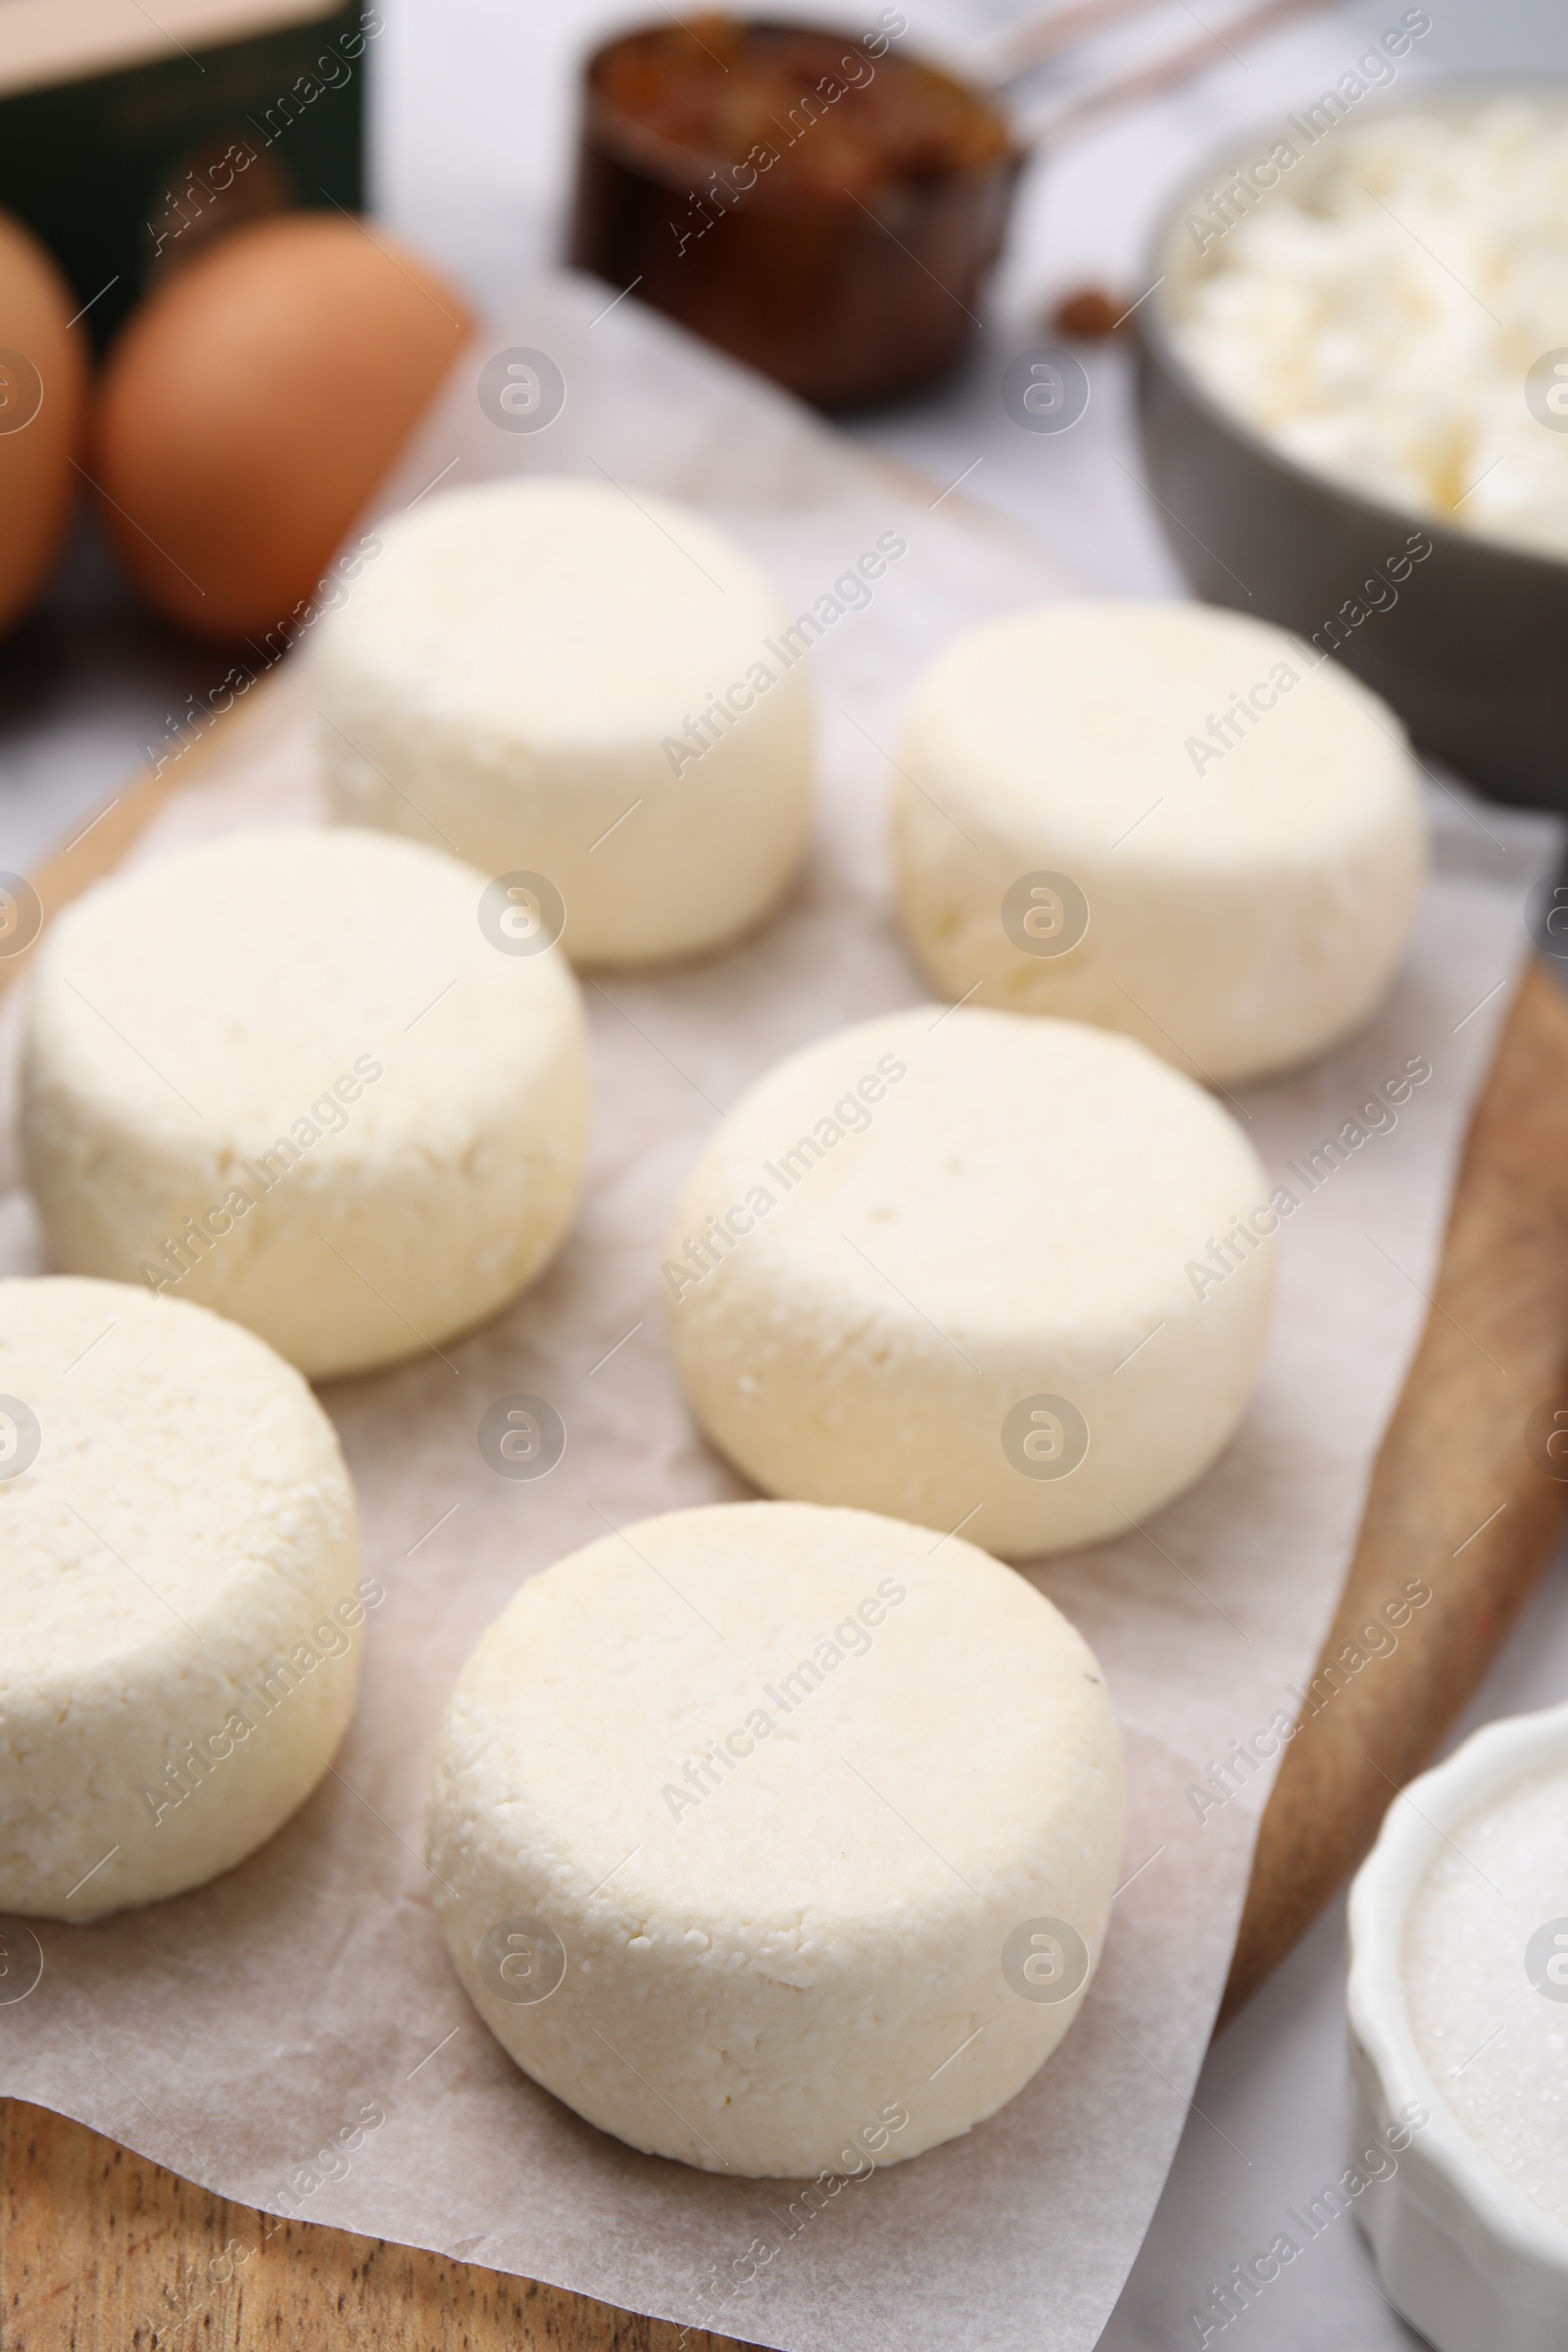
x,y
105,2249
101,2251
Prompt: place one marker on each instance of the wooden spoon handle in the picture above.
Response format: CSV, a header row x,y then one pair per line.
x,y
1465,1503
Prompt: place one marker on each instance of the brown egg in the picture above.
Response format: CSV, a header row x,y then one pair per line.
x,y
43,379
251,406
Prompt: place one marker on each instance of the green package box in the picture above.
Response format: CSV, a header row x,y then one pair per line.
x,y
130,145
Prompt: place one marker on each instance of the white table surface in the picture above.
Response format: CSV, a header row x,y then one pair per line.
x,y
472,112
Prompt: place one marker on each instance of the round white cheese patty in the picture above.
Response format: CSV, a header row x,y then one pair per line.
x,y
1163,819
180,1591
309,1079
563,681
959,1267
771,1839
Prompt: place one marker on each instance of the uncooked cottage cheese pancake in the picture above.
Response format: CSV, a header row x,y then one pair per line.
x,y
561,679
180,1591
325,1081
775,1840
1164,819
963,1267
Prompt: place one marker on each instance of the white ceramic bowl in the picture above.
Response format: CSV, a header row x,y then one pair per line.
x,y
1468,2260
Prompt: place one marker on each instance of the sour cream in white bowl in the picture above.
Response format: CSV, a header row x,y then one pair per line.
x,y
1459,2003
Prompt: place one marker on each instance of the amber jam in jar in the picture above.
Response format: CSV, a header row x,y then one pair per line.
x,y
822,116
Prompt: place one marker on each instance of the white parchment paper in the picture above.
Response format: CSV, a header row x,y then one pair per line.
x,y
232,2033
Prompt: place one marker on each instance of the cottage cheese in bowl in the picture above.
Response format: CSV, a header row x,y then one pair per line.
x,y
1393,311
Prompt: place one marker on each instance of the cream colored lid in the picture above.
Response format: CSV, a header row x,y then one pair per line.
x,y
44,41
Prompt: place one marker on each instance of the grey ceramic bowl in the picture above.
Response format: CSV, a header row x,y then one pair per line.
x,y
1469,644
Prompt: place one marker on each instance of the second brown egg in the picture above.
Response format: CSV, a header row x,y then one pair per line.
x,y
253,403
